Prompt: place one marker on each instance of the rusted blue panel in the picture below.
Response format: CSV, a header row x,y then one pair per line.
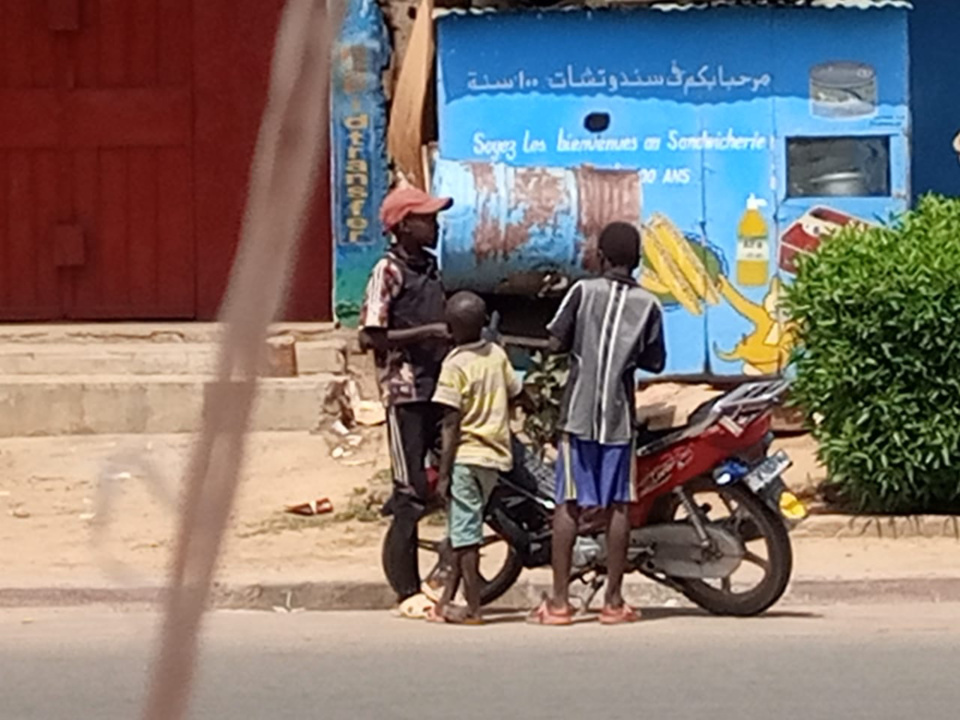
x,y
360,174
512,227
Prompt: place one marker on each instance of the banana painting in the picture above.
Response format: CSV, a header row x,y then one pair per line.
x,y
688,261
672,268
650,282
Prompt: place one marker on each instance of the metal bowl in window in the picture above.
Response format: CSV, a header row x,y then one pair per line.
x,y
841,184
843,90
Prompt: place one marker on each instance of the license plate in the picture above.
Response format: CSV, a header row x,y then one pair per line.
x,y
767,472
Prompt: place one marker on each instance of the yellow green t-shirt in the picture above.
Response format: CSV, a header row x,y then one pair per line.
x,y
478,381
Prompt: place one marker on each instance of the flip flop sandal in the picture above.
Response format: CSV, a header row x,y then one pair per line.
x,y
415,608
546,615
622,615
318,507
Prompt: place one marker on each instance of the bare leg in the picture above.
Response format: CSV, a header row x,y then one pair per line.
x,y
452,583
618,538
564,536
470,568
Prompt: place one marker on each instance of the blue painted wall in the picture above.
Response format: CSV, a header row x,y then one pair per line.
x,y
935,95
700,106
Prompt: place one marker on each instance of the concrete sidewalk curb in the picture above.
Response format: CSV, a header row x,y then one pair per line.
x,y
888,527
316,596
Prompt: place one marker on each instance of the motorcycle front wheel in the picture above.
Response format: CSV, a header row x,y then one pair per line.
x,y
765,571
500,563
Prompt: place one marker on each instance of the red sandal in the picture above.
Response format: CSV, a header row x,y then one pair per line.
x,y
547,615
619,615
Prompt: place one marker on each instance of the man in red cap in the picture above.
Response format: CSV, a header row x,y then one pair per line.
x,y
402,320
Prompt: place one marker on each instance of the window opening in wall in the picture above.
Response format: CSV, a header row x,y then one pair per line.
x,y
838,166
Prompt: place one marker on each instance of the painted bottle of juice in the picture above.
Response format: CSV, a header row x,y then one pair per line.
x,y
753,245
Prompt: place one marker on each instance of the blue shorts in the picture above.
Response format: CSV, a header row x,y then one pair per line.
x,y
594,475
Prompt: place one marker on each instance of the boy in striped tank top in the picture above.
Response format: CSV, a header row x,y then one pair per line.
x,y
612,328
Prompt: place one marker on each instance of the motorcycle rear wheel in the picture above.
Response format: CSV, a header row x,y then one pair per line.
x,y
762,524
493,585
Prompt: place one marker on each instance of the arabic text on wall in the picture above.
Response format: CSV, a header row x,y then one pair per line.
x,y
706,78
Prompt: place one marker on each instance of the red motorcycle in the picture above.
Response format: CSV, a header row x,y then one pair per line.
x,y
712,518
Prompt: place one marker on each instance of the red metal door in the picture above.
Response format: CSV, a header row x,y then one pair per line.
x,y
96,177
234,42
29,162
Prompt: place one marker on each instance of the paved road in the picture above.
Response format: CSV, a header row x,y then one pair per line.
x,y
834,663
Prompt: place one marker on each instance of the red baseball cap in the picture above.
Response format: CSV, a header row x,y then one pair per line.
x,y
403,201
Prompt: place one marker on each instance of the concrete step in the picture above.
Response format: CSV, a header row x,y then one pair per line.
x,y
108,359
286,358
42,405
158,332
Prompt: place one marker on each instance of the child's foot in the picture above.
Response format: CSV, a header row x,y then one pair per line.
x,y
432,587
621,615
436,614
546,614
453,615
462,616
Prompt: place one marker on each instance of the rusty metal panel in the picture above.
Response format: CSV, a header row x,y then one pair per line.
x,y
510,228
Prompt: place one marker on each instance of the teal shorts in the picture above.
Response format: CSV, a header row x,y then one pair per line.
x,y
470,488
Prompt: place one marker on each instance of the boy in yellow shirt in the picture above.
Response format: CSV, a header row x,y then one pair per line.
x,y
476,387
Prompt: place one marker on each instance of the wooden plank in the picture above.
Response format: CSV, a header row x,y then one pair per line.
x,y
143,237
129,118
175,41
143,43
405,133
176,254
29,119
114,43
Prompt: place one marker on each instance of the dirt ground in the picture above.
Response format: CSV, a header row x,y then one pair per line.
x,y
83,510
90,511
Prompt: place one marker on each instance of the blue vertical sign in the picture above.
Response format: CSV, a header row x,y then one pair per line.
x,y
754,132
360,174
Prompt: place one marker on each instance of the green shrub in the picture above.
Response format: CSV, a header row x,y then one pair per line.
x,y
878,360
545,382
